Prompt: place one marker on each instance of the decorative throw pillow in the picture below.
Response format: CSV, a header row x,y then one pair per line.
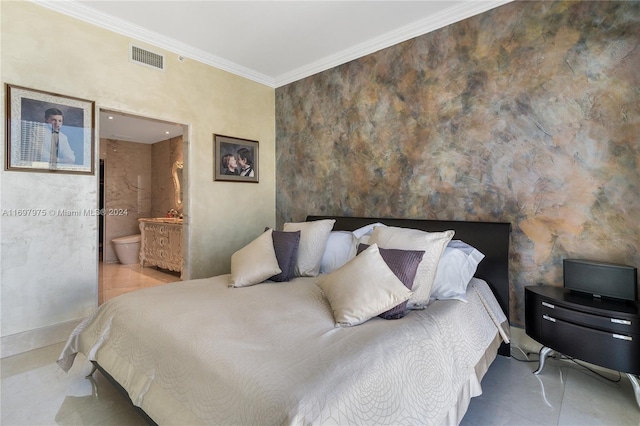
x,y
313,240
457,265
363,288
404,264
255,262
341,248
432,243
285,245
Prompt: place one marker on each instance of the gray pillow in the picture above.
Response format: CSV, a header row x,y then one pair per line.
x,y
285,245
404,264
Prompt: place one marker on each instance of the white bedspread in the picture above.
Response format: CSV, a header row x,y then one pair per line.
x,y
198,352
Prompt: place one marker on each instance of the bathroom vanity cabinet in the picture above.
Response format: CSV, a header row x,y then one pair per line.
x,y
161,243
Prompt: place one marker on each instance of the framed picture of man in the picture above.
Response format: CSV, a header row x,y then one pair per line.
x,y
235,159
47,132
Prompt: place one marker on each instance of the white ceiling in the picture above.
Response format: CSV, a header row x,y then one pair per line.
x,y
270,42
130,128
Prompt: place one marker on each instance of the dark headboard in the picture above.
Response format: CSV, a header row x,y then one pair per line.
x,y
491,238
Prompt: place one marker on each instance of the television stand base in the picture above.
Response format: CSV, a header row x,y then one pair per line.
x,y
546,352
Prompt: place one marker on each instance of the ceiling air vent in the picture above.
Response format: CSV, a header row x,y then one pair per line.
x,y
145,57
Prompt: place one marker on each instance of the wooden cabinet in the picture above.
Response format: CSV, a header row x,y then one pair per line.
x,y
161,244
604,332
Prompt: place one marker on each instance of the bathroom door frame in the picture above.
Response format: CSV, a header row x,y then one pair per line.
x,y
186,131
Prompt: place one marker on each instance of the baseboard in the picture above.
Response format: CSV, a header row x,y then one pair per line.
x,y
38,338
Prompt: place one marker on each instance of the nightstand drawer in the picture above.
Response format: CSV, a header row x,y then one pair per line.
x,y
618,351
614,323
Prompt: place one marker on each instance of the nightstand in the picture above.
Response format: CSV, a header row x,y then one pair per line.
x,y
604,332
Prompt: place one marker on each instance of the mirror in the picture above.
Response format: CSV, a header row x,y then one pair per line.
x,y
177,171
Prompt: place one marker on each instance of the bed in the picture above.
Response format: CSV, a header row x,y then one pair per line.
x,y
201,352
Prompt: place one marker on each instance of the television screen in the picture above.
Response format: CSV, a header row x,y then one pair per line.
x,y
601,279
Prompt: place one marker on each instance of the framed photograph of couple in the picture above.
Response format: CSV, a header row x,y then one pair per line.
x,y
235,159
47,132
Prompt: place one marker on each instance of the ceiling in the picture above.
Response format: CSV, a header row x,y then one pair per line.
x,y
270,42
131,128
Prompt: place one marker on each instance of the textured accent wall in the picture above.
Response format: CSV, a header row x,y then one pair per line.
x,y
528,113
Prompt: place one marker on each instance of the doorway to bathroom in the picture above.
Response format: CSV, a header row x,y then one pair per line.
x,y
142,175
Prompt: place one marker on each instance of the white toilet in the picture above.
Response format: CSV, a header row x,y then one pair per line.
x,y
127,249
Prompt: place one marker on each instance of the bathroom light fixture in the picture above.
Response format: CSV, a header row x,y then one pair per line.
x,y
110,118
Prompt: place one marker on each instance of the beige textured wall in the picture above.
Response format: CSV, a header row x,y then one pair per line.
x,y
529,114
45,50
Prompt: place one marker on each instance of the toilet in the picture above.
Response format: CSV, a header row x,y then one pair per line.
x,y
127,249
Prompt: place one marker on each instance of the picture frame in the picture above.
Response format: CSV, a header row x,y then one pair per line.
x,y
32,145
243,153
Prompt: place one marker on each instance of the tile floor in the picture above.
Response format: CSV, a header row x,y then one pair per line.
x,y
563,394
116,279
34,391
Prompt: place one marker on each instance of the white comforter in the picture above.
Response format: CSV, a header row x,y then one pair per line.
x,y
199,352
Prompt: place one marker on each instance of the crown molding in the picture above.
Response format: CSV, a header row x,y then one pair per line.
x,y
97,18
449,16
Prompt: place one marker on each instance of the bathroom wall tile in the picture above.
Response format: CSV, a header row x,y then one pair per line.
x,y
127,190
138,183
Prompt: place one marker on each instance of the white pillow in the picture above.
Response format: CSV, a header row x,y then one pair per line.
x,y
364,234
313,240
433,243
457,265
366,230
341,248
255,262
362,289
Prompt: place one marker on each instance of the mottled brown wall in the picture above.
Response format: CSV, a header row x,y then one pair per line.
x,y
529,113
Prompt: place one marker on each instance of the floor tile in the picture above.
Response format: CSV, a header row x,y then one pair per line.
x,y
47,395
116,279
35,391
592,400
563,394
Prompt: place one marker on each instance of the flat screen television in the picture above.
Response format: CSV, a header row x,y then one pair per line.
x,y
601,279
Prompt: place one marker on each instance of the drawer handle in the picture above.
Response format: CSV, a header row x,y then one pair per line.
x,y
623,337
619,321
548,305
548,318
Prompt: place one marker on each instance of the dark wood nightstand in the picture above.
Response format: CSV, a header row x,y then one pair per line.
x,y
604,332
